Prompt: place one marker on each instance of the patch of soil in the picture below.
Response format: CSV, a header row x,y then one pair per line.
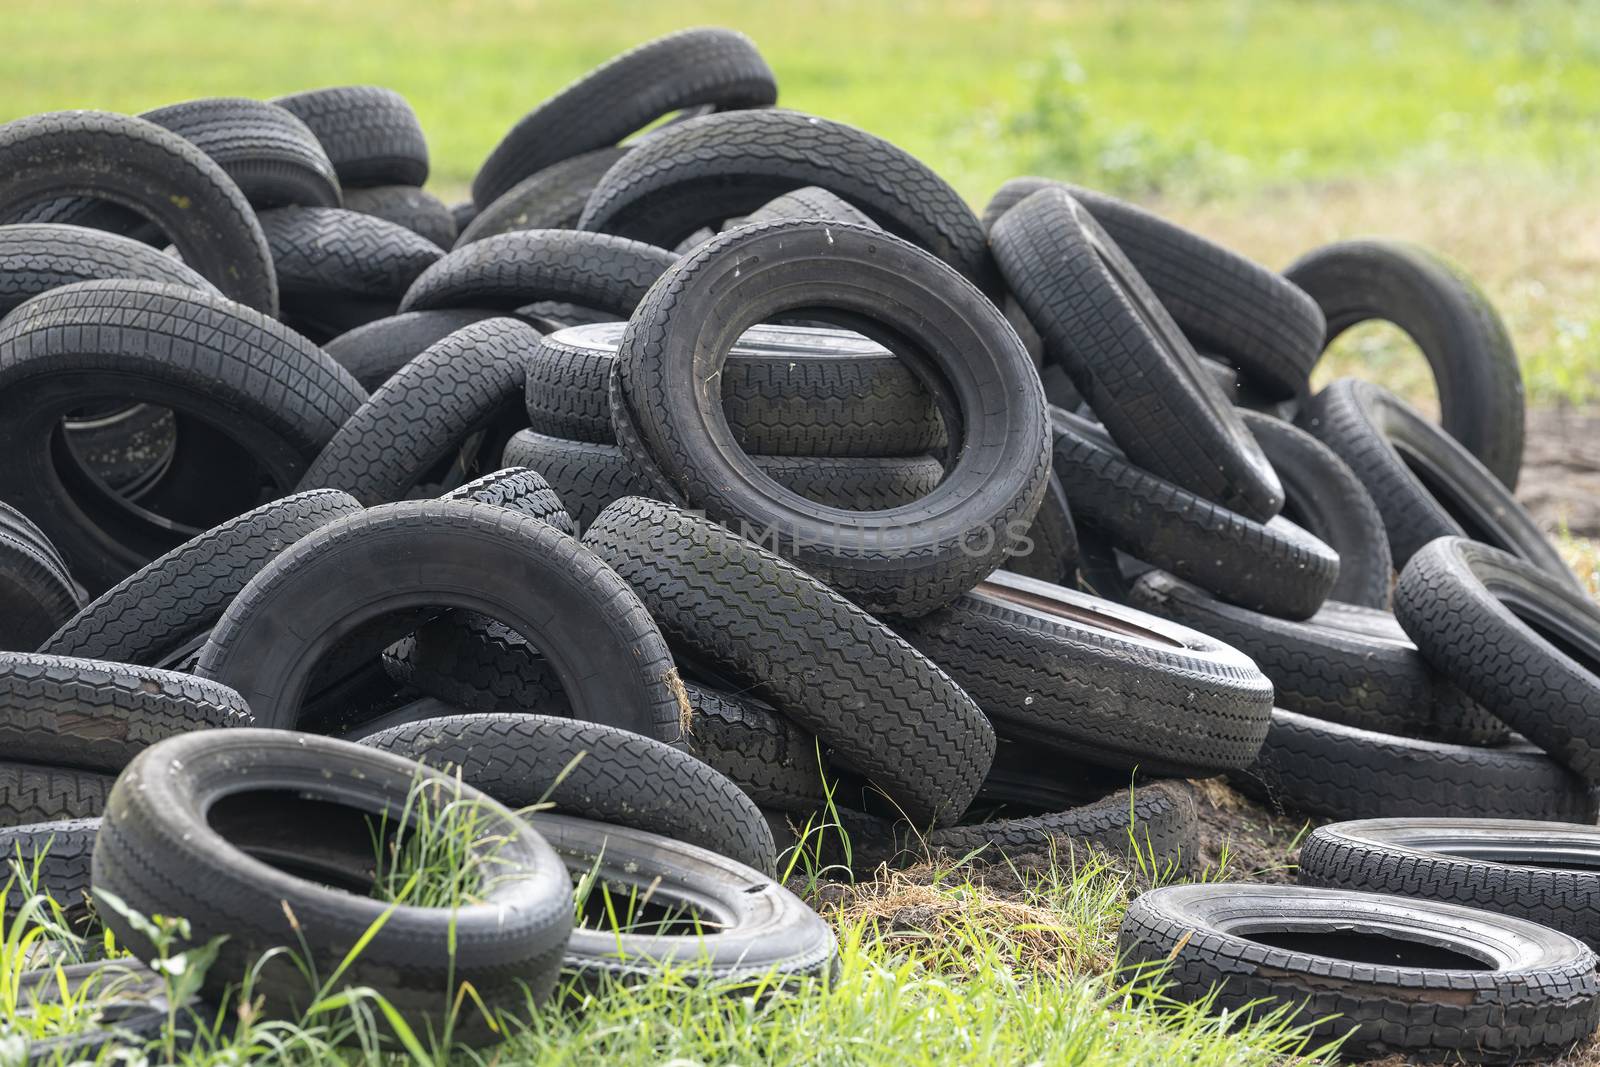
x,y
1244,839
1560,482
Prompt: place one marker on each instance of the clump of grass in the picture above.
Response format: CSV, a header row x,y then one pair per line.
x,y
439,850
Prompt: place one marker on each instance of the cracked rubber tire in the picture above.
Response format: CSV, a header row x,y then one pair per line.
x,y
404,205
591,771
38,257
1425,483
705,170
210,827
1545,872
696,68
1274,567
1515,990
1433,301
1523,644
884,709
1096,681
426,554
154,616
457,403
666,391
371,134
1323,768
1322,667
1102,323
137,165
255,403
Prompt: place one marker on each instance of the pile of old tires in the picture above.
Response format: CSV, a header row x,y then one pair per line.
x,y
715,482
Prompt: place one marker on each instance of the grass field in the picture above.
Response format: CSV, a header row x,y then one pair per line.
x,y
1274,126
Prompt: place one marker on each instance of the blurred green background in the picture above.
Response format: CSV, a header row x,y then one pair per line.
x,y
1274,125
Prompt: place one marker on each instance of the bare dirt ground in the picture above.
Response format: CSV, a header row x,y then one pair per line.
x,y
1560,480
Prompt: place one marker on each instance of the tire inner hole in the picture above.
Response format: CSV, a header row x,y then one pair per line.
x,y
1357,946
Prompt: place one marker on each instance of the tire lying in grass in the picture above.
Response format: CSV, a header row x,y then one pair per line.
x,y
1474,366
692,69
592,772
786,391
36,592
1368,675
156,615
330,587
32,793
704,916
513,270
254,403
1324,768
549,199
1155,825
705,170
1098,682
96,716
372,353
1253,317
1545,872
270,154
404,205
38,257
271,837
1273,567
1378,968
1425,484
139,166
446,414
1101,321
370,134
128,1005
59,852
666,392
1323,496
883,709
1522,643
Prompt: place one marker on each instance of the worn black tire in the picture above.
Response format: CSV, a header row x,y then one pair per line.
x,y
255,401
423,554
92,715
206,829
151,171
404,205
884,710
1474,366
456,403
327,254
1425,483
1323,768
1523,644
591,771
786,391
60,851
550,199
1319,667
1252,317
588,476
705,170
810,202
1098,682
1335,958
36,592
1274,567
156,615
666,389
1544,872
32,793
512,270
131,1010
269,153
371,134
690,69
38,257
1324,497
1048,550
372,353
1101,321
518,489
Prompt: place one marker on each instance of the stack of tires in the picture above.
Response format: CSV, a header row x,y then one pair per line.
x,y
716,484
